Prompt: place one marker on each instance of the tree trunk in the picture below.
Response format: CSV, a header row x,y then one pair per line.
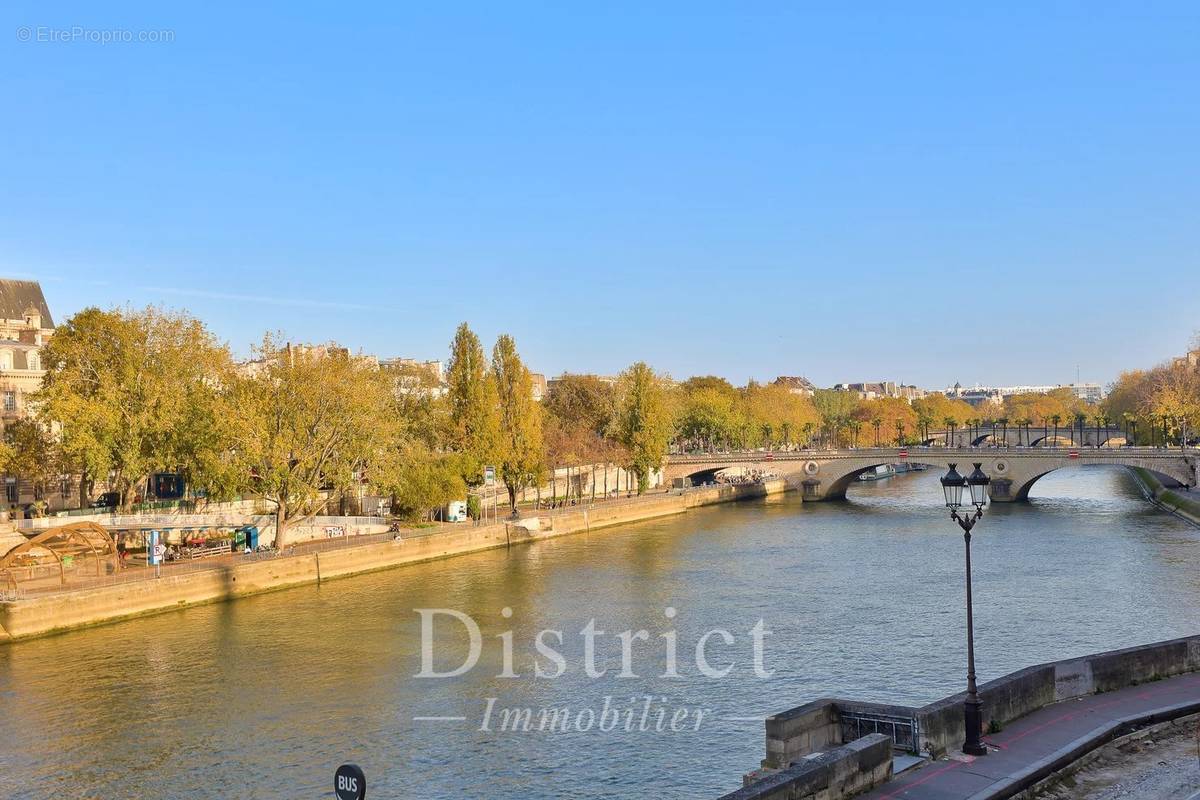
x,y
281,522
512,497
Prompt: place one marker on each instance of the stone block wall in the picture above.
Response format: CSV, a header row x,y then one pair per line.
x,y
843,771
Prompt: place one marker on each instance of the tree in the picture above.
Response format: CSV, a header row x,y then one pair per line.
x,y
1056,420
134,392
578,413
776,413
582,400
520,447
643,421
1173,395
893,413
935,409
710,416
306,422
474,426
28,450
418,480
834,408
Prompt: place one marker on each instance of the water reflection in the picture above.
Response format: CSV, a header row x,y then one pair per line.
x,y
265,696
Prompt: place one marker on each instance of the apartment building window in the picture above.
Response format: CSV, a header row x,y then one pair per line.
x,y
6,359
10,490
33,361
10,401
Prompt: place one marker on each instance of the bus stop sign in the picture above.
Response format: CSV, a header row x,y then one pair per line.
x,y
349,783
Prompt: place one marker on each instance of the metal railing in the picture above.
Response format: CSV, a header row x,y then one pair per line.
x,y
903,730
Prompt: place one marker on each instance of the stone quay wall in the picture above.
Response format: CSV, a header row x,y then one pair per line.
x,y
844,771
1169,499
815,726
41,615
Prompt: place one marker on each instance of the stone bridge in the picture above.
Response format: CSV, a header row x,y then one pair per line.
x,y
826,474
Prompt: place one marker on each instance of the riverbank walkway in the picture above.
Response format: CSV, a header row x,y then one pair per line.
x,y
1045,741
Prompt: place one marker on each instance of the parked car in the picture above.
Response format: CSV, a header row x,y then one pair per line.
x,y
106,500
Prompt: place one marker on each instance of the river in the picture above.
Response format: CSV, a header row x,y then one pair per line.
x,y
264,697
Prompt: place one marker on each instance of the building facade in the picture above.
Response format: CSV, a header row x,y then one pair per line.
x,y
877,389
25,327
796,384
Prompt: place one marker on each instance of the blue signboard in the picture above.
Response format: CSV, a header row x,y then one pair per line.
x,y
155,551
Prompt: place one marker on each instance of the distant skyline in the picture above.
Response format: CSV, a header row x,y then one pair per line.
x,y
926,194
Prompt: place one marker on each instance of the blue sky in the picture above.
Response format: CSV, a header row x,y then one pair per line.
x,y
915,192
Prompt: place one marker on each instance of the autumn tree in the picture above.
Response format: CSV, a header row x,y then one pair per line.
x,y
473,421
1173,396
936,409
578,414
643,423
30,451
134,392
711,412
306,422
520,444
586,400
835,409
418,480
777,415
894,415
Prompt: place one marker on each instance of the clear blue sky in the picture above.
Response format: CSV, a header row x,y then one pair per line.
x,y
743,189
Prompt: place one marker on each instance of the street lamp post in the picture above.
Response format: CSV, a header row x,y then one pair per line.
x,y
952,485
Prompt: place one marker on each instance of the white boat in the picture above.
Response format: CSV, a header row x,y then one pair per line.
x,y
878,473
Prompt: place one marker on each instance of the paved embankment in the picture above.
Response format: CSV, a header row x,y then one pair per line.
x,y
1035,746
40,615
1178,503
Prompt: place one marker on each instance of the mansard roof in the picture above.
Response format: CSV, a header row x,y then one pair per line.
x,y
17,297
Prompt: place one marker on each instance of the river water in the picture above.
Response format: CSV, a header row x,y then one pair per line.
x,y
264,697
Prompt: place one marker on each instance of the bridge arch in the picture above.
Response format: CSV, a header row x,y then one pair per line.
x,y
1049,440
837,489
1020,491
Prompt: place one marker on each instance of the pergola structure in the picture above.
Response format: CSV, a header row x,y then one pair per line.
x,y
70,541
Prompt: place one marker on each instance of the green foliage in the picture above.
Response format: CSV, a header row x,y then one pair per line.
x,y
28,450
583,401
306,420
520,453
473,422
134,392
711,416
643,420
421,482
577,421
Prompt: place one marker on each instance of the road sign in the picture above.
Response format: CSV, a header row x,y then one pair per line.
x,y
349,783
904,454
1073,454
489,475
